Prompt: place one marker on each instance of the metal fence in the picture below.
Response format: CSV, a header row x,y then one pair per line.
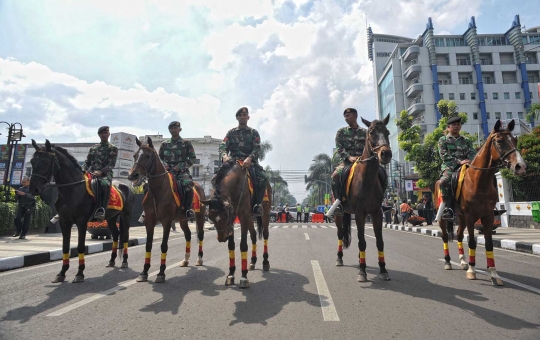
x,y
528,189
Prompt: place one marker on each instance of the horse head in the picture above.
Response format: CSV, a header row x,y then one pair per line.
x,y
221,213
145,161
377,139
44,166
503,148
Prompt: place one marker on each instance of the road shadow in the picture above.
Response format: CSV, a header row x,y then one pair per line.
x,y
267,298
418,286
62,293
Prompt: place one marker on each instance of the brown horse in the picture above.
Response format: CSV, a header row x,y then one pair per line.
x,y
232,198
159,205
479,196
365,197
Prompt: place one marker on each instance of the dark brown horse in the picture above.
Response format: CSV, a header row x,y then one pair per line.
x,y
75,205
232,198
479,196
159,205
365,197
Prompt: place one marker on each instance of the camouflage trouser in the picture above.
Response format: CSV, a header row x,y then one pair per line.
x,y
444,183
260,175
184,179
104,181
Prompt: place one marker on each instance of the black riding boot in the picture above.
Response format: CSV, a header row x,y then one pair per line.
x,y
188,201
336,190
259,196
103,203
448,213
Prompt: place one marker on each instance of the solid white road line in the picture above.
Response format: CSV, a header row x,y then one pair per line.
x,y
369,236
307,236
275,227
327,304
522,285
97,296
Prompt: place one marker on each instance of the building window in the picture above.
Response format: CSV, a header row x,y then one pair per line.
x,y
495,95
497,115
487,80
197,161
441,95
518,95
465,80
475,115
462,96
507,95
508,115
451,96
195,171
487,115
485,95
473,96
520,115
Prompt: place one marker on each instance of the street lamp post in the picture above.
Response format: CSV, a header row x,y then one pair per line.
x,y
14,136
399,167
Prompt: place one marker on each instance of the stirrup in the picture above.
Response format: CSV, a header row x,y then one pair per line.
x,y
141,219
257,210
338,211
100,214
190,214
448,214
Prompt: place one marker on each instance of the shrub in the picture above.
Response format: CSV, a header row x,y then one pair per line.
x,y
40,216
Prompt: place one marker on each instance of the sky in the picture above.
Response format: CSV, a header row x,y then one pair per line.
x,y
68,67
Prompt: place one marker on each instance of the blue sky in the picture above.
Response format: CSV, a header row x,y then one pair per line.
x,y
69,67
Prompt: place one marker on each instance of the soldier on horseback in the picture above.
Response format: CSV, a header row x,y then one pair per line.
x,y
100,163
244,143
454,150
177,156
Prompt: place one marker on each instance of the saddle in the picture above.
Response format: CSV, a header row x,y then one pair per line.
x,y
178,194
252,183
456,181
347,177
93,187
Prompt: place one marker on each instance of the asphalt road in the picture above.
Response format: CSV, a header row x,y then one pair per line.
x,y
422,301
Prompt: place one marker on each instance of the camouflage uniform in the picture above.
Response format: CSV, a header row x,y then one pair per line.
x,y
453,151
179,153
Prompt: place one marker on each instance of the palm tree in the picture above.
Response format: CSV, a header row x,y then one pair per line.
x,y
266,147
278,183
319,173
534,112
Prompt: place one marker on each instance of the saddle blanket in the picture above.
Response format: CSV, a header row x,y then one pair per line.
x,y
116,202
196,205
460,176
250,183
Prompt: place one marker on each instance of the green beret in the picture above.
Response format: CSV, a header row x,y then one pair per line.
x,y
173,124
103,128
350,110
242,110
453,120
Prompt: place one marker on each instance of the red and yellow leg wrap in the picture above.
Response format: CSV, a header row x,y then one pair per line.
x,y
490,259
147,257
266,245
200,246
472,255
254,250
244,260
340,245
114,247
362,257
163,258
65,258
445,246
125,247
460,248
231,258
81,259
380,255
188,246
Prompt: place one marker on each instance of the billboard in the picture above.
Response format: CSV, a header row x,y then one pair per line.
x,y
17,166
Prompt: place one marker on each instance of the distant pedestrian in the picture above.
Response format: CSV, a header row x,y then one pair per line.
x,y
420,208
428,210
298,213
25,205
280,213
387,213
306,213
325,211
286,209
405,210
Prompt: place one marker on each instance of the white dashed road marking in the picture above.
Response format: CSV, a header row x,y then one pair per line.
x,y
307,236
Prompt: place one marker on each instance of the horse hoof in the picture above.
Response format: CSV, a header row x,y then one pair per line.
x,y
251,266
384,277
199,263
362,278
464,266
184,263
447,266
266,267
111,264
244,282
78,279
160,279
339,262
58,278
142,278
229,281
497,281
471,276
124,265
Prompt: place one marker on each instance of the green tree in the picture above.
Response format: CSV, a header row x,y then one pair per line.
x,y
534,112
278,184
266,147
318,179
427,162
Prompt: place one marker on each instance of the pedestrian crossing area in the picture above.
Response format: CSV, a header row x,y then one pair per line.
x,y
307,226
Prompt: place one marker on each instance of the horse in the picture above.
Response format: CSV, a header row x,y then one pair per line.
x,y
479,196
159,205
232,198
75,205
365,197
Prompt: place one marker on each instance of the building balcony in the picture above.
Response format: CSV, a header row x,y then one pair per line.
x,y
412,71
416,106
411,53
413,90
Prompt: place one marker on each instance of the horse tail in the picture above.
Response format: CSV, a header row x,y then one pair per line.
x,y
260,227
450,230
346,230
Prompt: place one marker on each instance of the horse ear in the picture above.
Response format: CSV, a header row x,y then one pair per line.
x,y
387,119
149,140
34,144
511,125
48,145
366,122
497,126
138,141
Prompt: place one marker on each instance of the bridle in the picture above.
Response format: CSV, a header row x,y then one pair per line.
x,y
372,150
52,171
504,163
153,164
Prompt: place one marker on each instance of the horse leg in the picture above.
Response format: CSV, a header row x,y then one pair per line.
x,y
187,235
460,234
253,235
150,225
266,234
81,227
362,245
164,247
339,224
66,237
124,228
377,228
471,273
200,236
447,264
114,231
487,222
232,266
244,282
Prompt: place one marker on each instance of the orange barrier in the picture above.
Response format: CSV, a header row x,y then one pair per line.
x,y
317,218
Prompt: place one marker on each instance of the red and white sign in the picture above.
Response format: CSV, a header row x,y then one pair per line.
x,y
410,185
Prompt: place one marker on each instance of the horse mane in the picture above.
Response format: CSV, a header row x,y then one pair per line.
x,y
222,172
69,156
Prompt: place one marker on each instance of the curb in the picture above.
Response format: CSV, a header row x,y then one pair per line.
x,y
503,244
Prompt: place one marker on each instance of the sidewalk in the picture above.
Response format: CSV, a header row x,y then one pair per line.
x,y
43,248
519,239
